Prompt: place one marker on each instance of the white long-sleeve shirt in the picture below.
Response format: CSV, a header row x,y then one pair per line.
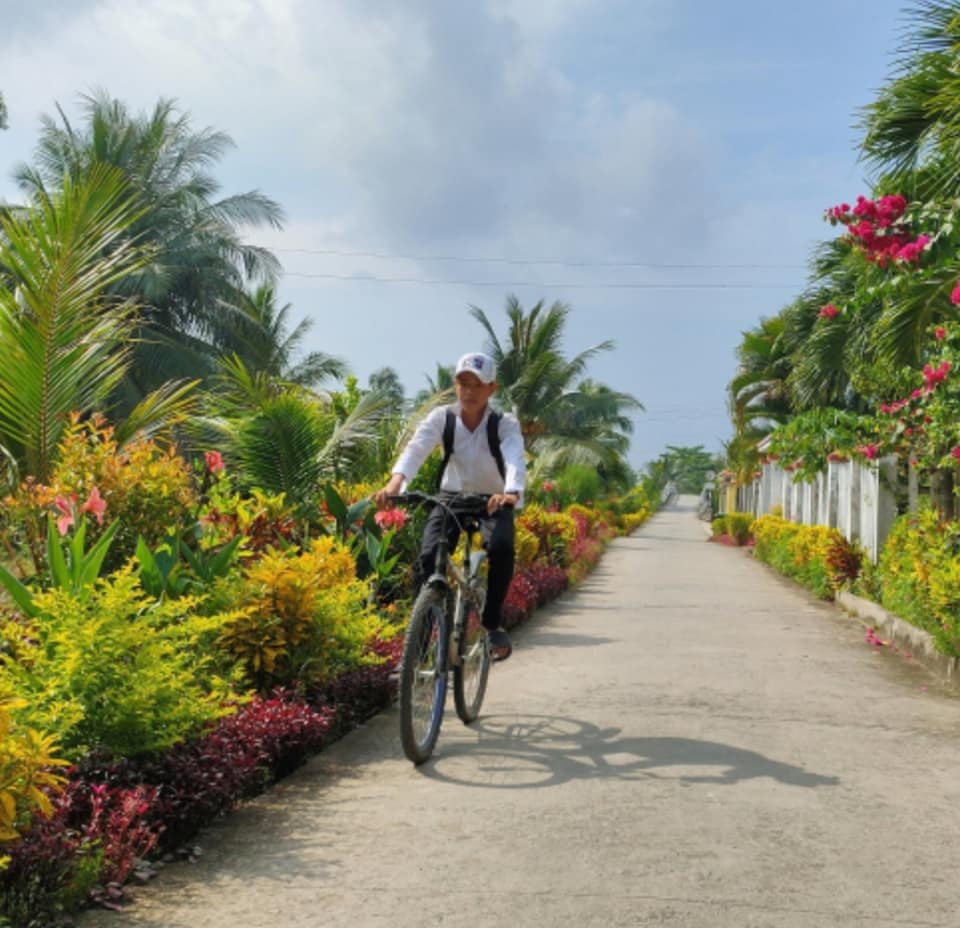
x,y
471,468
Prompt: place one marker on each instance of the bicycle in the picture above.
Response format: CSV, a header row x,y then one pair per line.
x,y
445,632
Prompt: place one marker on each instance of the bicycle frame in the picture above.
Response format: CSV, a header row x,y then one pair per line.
x,y
463,584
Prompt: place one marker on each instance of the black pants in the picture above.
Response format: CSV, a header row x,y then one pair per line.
x,y
497,533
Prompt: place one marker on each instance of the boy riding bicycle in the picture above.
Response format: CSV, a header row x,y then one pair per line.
x,y
483,453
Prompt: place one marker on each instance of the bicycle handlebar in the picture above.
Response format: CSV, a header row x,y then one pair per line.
x,y
465,503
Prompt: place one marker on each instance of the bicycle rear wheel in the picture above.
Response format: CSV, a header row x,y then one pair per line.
x,y
423,680
470,675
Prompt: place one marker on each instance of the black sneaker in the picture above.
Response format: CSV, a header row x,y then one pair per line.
x,y
500,646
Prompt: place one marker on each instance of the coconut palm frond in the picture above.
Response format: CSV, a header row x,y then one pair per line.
x,y
160,411
64,345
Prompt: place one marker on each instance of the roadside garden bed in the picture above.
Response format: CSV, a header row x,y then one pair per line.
x,y
176,649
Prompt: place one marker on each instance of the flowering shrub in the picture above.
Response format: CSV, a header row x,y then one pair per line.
x,y
845,563
113,813
356,695
585,549
520,601
117,670
880,230
925,424
526,545
27,763
149,489
736,525
302,617
391,518
263,520
556,532
797,551
810,438
919,576
548,581
629,522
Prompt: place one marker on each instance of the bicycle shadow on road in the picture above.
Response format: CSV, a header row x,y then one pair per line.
x,y
534,751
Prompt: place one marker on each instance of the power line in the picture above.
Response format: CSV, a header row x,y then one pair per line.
x,y
611,285
557,262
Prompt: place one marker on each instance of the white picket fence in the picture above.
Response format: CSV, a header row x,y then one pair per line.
x,y
857,498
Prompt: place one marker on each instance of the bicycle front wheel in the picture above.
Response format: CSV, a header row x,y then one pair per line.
x,y
423,679
470,675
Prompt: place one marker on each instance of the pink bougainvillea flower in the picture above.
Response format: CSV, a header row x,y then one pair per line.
x,y
390,518
214,461
934,375
64,506
829,312
955,293
96,504
940,333
955,451
870,452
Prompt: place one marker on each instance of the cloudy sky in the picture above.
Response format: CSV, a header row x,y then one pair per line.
x,y
659,165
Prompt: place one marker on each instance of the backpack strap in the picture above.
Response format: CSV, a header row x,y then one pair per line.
x,y
449,427
493,440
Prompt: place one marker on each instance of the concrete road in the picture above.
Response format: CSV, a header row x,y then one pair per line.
x,y
687,740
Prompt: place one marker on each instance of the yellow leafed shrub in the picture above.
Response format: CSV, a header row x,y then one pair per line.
x,y
302,616
630,521
27,762
118,670
919,575
798,551
555,532
526,544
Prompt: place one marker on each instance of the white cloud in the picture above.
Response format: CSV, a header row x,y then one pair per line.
x,y
435,124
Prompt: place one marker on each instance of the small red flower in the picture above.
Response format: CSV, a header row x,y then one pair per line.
x,y
955,294
390,518
940,333
64,506
214,461
547,486
955,451
96,504
829,312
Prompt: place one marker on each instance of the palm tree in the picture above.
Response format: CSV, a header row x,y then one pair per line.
x,y
758,391
563,419
283,438
532,373
188,291
386,381
64,341
439,388
914,117
259,336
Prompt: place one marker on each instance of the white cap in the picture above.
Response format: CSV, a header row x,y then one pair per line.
x,y
480,364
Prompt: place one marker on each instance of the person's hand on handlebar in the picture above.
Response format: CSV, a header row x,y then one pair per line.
x,y
499,500
382,497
